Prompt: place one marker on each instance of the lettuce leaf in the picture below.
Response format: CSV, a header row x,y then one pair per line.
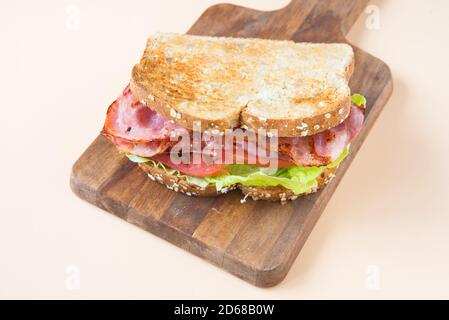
x,y
296,178
137,159
202,183
358,100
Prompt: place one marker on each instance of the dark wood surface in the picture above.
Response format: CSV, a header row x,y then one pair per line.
x,y
257,241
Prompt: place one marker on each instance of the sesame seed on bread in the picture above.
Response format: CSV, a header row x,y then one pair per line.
x,y
297,88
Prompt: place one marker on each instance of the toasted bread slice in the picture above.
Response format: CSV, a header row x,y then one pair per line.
x,y
180,184
297,88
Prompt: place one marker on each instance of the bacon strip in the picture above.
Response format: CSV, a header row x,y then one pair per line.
x,y
324,147
301,151
135,128
129,119
143,149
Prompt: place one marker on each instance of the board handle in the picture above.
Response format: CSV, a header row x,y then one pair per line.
x,y
334,17
300,20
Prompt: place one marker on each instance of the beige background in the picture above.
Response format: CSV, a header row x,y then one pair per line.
x,y
384,234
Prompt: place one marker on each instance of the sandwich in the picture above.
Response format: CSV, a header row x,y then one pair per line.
x,y
206,115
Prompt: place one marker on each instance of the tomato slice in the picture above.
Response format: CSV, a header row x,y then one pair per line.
x,y
208,169
201,170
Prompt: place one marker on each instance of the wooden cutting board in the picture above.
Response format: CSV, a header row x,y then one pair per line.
x,y
256,241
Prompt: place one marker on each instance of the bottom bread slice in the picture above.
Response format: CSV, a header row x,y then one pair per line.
x,y
180,184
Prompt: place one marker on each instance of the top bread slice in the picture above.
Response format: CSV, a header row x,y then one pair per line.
x,y
299,89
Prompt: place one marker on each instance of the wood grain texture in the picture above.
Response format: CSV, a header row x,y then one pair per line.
x,y
257,241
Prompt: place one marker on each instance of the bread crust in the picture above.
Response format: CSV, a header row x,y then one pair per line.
x,y
330,116
301,127
180,184
187,85
277,194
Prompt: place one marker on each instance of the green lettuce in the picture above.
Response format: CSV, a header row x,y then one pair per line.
x,y
202,183
137,159
296,178
358,100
